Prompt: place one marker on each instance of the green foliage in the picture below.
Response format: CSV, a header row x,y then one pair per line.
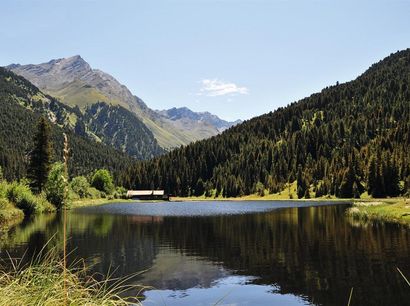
x,y
120,193
102,180
23,198
120,128
346,187
328,137
199,188
19,115
80,186
3,189
40,157
93,193
260,189
8,213
56,186
1,173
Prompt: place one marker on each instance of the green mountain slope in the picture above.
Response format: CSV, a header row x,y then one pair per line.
x,y
347,139
131,136
75,83
120,129
21,104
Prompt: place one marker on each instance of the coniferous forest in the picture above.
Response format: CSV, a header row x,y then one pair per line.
x,y
348,139
21,106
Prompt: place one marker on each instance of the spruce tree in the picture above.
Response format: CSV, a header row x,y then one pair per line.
x,y
40,157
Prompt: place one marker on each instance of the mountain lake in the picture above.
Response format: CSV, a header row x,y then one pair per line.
x,y
230,252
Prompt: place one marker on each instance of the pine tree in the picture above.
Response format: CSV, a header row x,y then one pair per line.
x,y
346,187
40,157
199,188
301,186
356,192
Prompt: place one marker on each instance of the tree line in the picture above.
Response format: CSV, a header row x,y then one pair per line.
x,y
348,139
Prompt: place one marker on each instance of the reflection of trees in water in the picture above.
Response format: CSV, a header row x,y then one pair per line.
x,y
312,252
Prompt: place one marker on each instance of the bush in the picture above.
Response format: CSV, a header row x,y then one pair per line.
x,y
4,203
3,189
9,214
93,193
55,186
21,196
120,193
80,186
102,180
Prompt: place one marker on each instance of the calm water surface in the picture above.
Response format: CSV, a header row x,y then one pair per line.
x,y
233,253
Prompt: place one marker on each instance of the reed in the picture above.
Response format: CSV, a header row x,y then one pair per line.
x,y
42,281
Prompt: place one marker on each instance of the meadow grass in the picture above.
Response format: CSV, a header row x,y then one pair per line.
x,y
383,210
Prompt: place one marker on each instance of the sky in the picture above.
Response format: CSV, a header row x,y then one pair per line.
x,y
234,58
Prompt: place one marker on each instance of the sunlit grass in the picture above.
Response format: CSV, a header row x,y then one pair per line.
x,y
42,282
392,210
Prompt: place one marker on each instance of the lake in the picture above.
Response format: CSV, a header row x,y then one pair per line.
x,y
232,253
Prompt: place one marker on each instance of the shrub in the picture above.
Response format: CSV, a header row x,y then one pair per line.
x,y
80,186
3,203
120,193
3,189
55,186
9,214
93,193
21,196
102,180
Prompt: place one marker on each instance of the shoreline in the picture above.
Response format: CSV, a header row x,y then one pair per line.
x,y
393,210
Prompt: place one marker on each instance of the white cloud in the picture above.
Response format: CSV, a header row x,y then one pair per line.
x,y
215,87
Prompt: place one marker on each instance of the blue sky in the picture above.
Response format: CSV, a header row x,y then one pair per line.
x,y
235,58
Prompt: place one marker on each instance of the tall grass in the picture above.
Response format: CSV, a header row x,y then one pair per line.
x,y
42,282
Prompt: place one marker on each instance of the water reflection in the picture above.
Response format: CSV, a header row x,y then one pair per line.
x,y
291,256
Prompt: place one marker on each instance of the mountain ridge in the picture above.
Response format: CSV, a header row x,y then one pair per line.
x,y
126,132
73,81
21,105
181,113
343,141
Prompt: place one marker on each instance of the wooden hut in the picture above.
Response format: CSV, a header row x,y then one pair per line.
x,y
147,195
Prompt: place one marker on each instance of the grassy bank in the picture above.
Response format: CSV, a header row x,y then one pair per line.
x,y
16,201
43,282
289,193
9,215
95,202
382,210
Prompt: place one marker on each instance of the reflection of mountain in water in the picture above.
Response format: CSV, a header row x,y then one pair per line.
x,y
315,253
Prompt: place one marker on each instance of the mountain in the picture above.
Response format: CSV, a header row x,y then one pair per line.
x,y
75,83
344,141
21,105
188,119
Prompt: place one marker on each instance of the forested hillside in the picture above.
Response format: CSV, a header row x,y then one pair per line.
x,y
120,128
75,83
348,139
112,125
21,104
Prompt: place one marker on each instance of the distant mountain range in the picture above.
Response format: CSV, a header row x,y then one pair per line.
x,y
186,116
75,83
